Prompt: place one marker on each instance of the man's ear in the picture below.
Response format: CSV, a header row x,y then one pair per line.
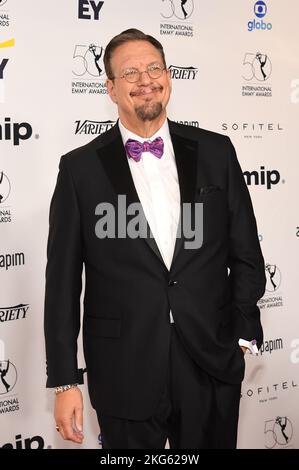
x,y
169,78
111,90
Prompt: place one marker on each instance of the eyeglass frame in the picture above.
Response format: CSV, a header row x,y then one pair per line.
x,y
140,72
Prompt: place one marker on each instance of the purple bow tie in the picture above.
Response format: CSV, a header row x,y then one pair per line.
x,y
134,148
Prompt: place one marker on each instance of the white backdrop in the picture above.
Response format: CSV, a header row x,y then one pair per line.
x,y
235,71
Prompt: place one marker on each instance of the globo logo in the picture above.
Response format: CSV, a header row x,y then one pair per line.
x,y
260,25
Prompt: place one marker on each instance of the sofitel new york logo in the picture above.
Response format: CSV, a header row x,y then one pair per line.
x,y
269,392
253,130
176,16
89,67
257,69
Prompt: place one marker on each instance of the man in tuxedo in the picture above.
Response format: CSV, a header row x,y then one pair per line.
x,y
165,323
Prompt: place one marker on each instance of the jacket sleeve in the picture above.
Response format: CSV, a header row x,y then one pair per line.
x,y
63,282
245,261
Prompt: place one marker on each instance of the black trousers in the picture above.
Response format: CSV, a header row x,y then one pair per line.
x,y
196,411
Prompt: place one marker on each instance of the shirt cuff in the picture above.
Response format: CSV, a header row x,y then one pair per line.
x,y
250,345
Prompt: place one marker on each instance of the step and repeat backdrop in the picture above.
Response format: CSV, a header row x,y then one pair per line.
x,y
235,70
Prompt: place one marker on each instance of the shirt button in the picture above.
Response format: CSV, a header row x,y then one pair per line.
x,y
173,283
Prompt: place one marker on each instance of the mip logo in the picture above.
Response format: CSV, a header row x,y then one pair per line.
x,y
35,442
89,9
180,9
267,178
260,9
16,131
8,377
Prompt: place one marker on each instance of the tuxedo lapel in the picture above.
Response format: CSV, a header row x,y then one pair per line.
x,y
186,157
115,163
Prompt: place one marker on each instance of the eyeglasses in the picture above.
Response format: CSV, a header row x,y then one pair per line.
x,y
133,75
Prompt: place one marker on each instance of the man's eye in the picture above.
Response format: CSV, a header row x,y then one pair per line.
x,y
131,73
154,68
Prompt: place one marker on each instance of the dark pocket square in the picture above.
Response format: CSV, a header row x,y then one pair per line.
x,y
208,189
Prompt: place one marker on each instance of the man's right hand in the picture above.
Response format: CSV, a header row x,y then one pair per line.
x,y
69,414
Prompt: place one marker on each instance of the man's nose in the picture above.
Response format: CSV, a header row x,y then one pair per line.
x,y
144,77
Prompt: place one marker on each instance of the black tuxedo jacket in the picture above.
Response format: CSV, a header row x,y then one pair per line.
x,y
128,289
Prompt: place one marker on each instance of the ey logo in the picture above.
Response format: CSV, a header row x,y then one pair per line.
x,y
89,9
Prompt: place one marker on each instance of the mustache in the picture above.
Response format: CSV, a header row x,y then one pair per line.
x,y
142,90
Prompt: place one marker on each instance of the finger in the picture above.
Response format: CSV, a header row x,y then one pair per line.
x,y
69,434
79,419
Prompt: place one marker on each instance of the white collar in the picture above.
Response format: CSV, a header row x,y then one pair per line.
x,y
162,132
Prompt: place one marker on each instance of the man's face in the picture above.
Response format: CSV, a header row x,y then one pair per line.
x,y
146,99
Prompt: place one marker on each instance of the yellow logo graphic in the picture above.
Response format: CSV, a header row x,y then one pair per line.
x,y
8,43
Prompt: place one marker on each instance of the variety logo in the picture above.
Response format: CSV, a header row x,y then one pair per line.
x,y
88,65
176,15
89,9
35,442
13,313
93,127
267,178
8,377
253,130
3,64
273,276
260,11
295,91
278,432
15,132
183,73
271,345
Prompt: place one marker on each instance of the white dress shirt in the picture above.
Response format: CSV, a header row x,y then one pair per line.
x,y
156,183
157,186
